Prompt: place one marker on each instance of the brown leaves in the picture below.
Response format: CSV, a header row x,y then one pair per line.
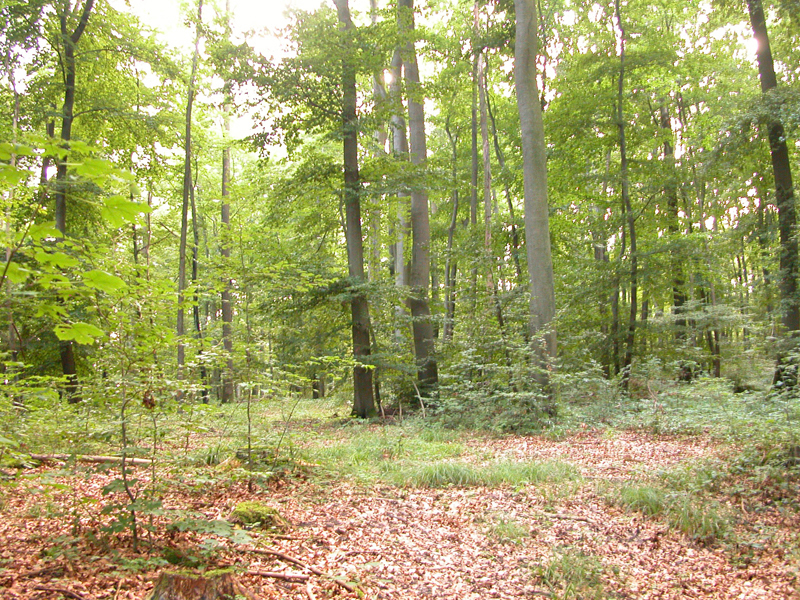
x,y
390,543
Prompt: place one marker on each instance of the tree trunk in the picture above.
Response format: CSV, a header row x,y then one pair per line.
x,y
671,193
69,42
180,327
501,161
784,192
363,399
534,171
419,279
188,586
450,269
227,392
626,201
400,151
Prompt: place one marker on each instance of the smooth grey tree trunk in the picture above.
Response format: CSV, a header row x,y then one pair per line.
x,y
419,276
400,151
534,172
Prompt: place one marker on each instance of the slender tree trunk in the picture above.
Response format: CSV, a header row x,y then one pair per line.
x,y
400,151
626,201
501,161
228,391
419,279
450,263
671,193
381,137
534,171
69,41
363,399
180,328
227,305
14,342
196,296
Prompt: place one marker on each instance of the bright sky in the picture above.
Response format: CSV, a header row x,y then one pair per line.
x,y
166,16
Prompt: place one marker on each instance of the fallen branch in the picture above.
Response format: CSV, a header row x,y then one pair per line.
x,y
284,576
567,517
58,590
90,459
299,563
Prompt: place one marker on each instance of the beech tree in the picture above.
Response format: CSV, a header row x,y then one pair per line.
x,y
537,228
363,398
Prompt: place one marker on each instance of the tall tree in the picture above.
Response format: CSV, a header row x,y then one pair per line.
x,y
363,398
419,279
626,201
784,190
227,391
534,172
69,43
188,184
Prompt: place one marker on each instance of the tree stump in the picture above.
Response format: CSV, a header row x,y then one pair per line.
x,y
183,585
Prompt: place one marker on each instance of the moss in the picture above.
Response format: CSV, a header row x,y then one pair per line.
x,y
257,514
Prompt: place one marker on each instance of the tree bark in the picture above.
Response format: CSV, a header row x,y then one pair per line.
x,y
784,189
534,171
227,391
419,277
671,194
69,42
363,398
180,328
450,267
400,151
626,202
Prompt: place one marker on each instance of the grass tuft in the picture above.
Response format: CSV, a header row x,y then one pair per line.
x,y
574,575
700,519
462,474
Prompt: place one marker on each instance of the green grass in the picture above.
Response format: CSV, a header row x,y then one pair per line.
x,y
574,575
701,519
508,530
460,473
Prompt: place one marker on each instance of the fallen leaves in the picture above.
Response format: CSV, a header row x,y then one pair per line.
x,y
407,543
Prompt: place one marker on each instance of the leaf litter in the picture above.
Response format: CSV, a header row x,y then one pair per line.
x,y
385,542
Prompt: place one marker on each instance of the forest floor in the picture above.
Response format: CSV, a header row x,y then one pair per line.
x,y
593,514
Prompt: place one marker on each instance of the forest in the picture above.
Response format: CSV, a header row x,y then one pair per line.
x,y
399,299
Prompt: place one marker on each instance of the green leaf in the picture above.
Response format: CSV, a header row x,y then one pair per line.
x,y
7,150
17,274
94,168
44,230
57,259
105,282
118,210
12,176
82,333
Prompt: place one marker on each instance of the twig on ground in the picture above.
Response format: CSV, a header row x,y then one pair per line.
x,y
283,576
300,563
566,517
62,591
90,459
309,593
